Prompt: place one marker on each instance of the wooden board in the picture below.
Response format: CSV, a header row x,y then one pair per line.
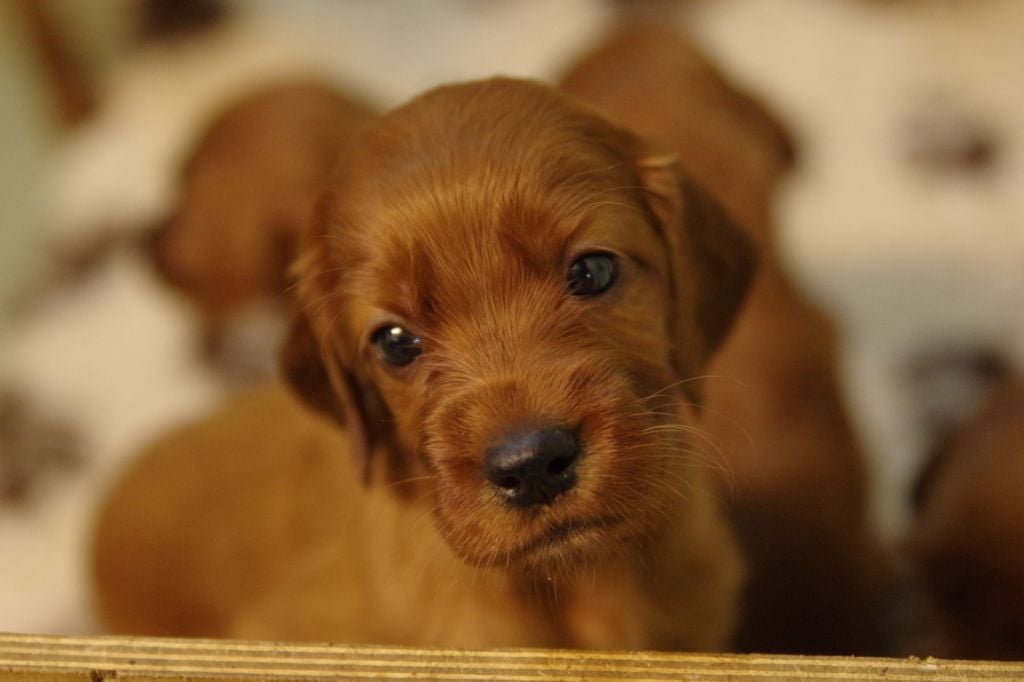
x,y
94,659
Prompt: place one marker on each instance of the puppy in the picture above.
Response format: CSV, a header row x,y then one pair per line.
x,y
792,469
245,192
508,304
965,546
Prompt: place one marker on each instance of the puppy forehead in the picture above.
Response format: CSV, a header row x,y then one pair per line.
x,y
449,251
481,184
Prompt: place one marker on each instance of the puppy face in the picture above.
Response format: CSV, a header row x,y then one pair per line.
x,y
503,294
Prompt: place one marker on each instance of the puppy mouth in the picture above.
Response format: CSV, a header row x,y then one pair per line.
x,y
562,533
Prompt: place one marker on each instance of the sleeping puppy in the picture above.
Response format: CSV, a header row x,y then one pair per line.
x,y
792,469
508,304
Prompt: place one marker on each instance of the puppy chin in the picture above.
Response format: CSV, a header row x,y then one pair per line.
x,y
566,548
558,548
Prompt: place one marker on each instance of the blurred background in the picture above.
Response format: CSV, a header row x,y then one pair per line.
x,y
903,219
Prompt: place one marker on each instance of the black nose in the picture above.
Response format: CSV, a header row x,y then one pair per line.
x,y
535,467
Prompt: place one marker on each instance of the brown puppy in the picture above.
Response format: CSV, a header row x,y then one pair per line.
x,y
508,304
247,190
793,471
967,543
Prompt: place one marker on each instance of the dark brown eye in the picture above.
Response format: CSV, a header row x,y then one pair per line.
x,y
592,274
396,345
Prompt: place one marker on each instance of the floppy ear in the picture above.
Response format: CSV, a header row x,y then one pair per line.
x,y
712,261
315,369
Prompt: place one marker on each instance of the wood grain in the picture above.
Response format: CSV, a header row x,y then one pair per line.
x,y
93,659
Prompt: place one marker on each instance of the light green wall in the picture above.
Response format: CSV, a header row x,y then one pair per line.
x,y
26,137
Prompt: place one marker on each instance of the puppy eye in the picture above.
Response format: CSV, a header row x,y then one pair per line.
x,y
396,345
592,274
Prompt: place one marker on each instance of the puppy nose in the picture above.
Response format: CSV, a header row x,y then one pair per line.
x,y
533,468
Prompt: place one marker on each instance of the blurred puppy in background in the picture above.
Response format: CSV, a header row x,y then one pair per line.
x,y
791,467
508,302
246,192
966,548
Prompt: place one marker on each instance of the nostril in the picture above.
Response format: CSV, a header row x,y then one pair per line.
x,y
558,450
508,483
559,465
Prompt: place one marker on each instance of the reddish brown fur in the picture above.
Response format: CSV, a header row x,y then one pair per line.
x,y
458,216
965,547
792,469
247,191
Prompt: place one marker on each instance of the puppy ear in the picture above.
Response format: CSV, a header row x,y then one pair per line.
x,y
713,262
307,373
316,372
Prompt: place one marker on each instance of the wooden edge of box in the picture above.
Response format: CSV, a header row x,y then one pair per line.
x,y
95,659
